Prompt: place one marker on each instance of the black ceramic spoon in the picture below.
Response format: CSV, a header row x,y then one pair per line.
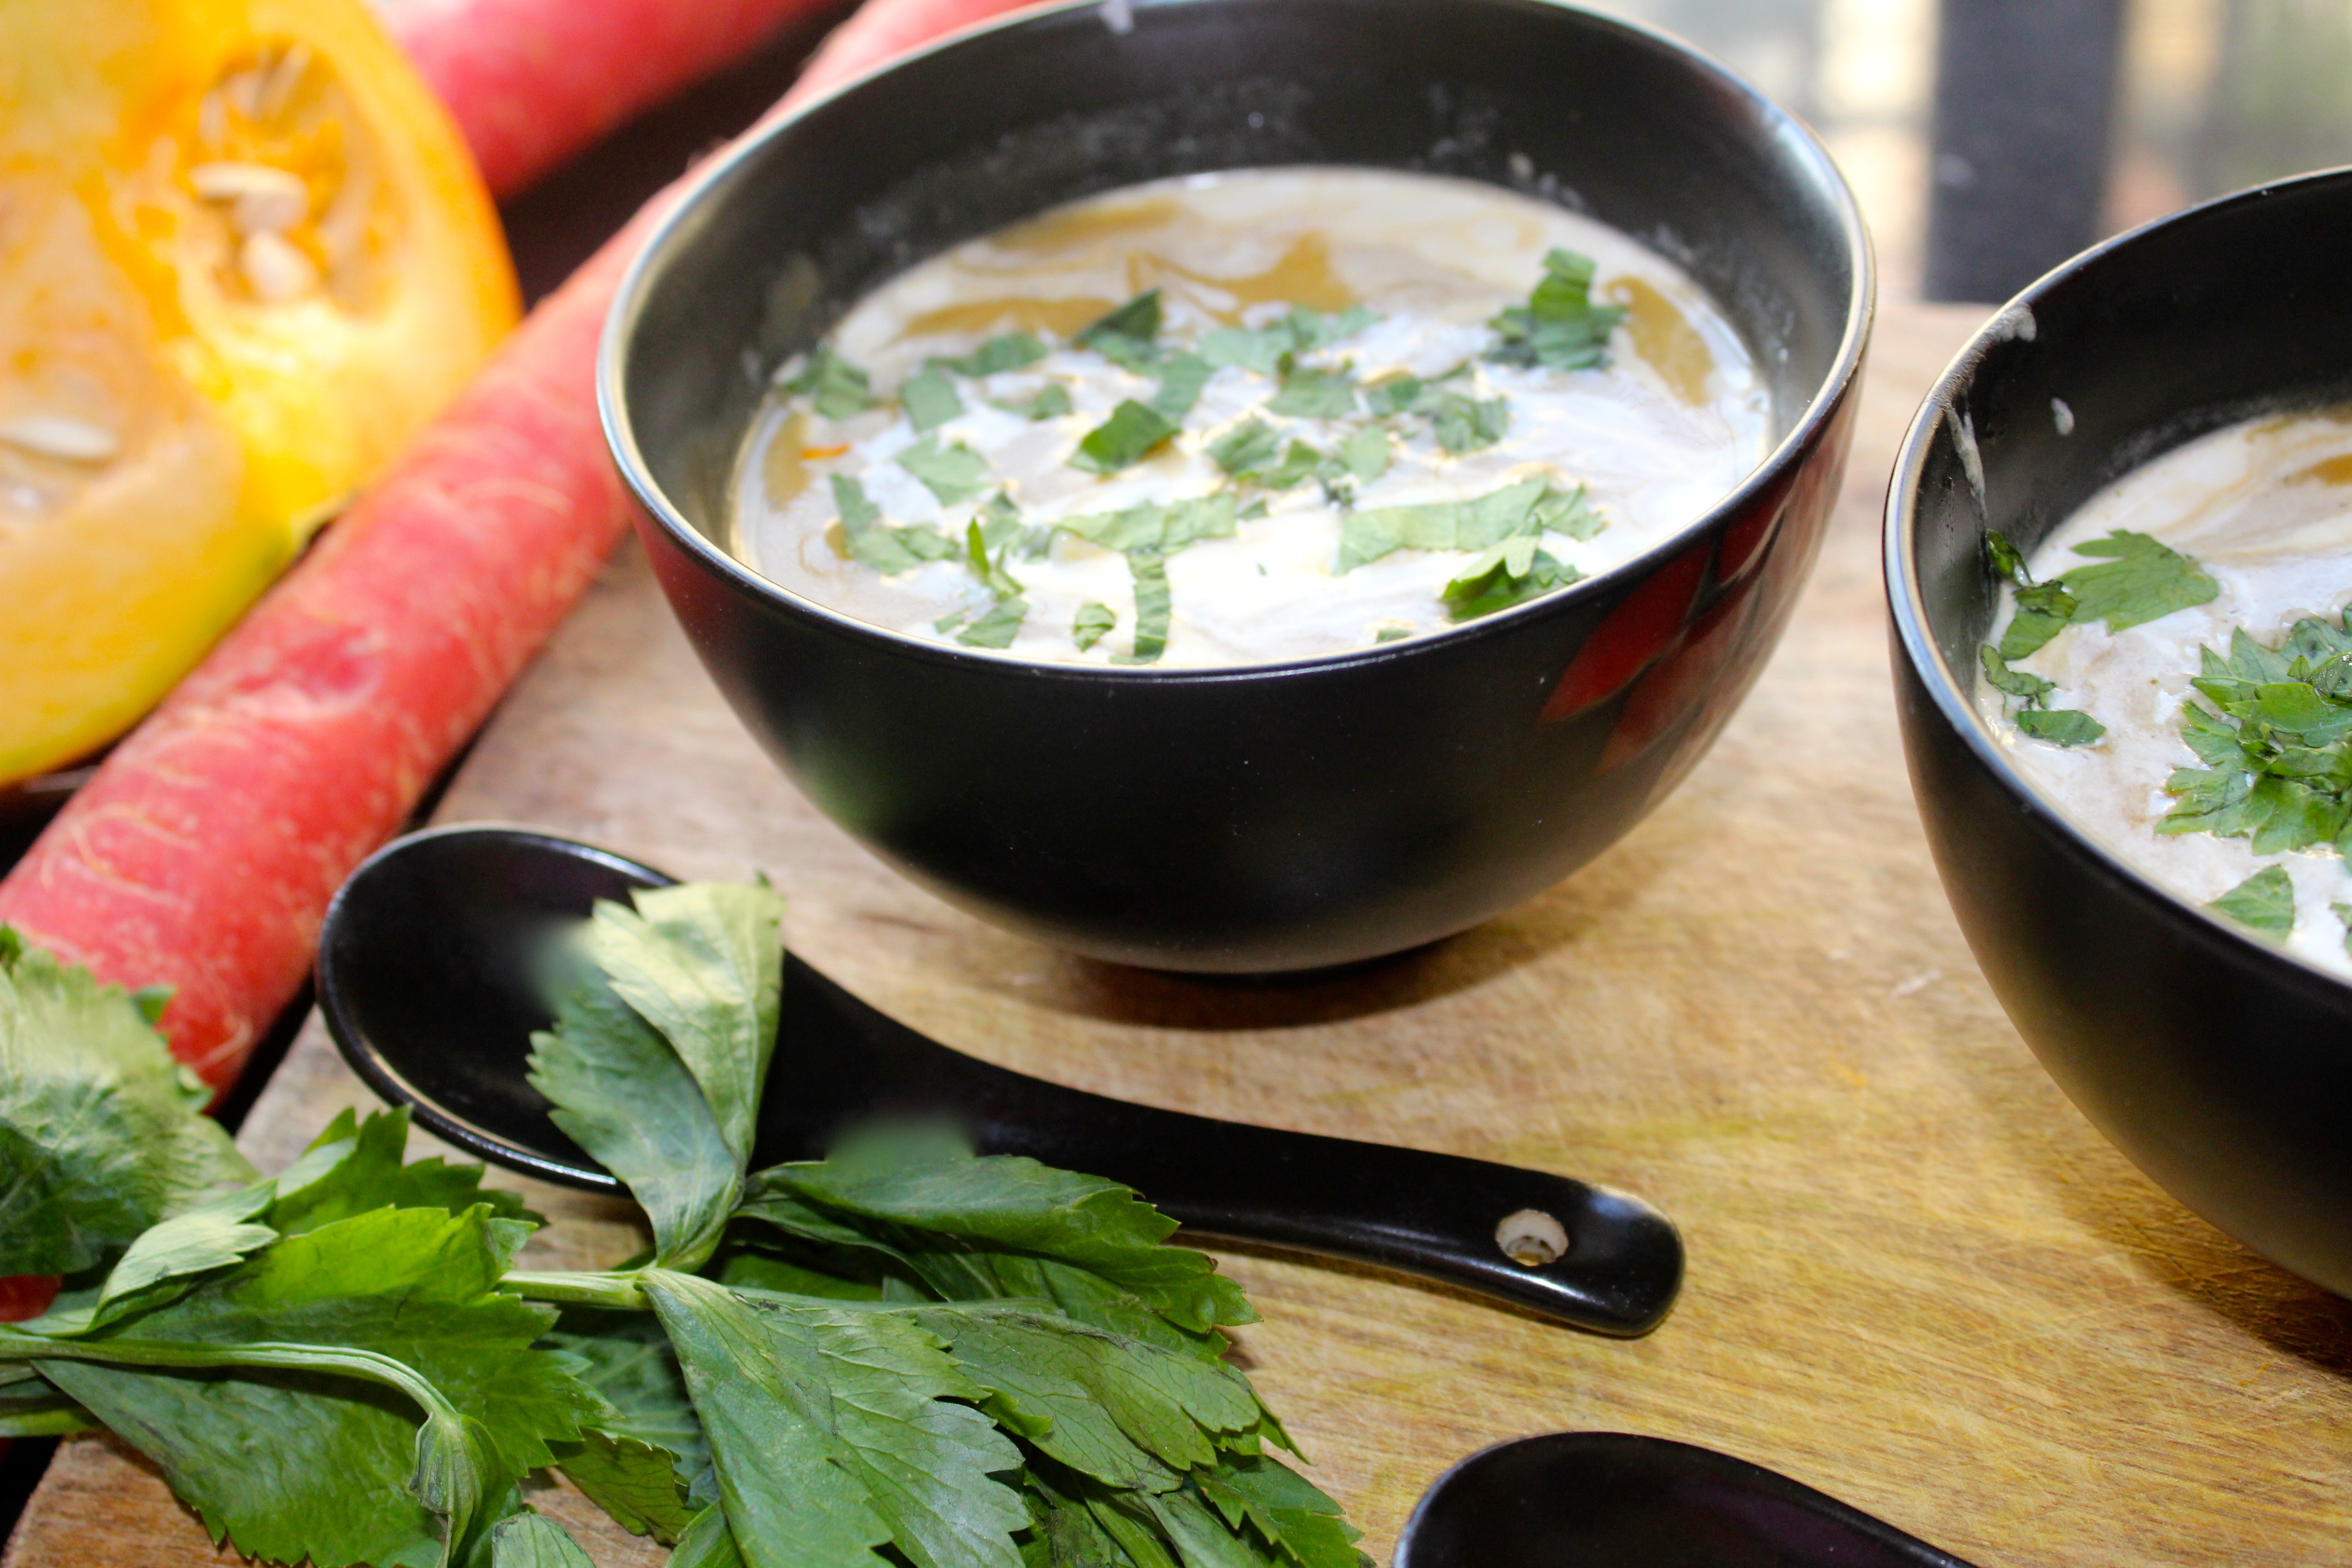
x,y
1606,1499
426,968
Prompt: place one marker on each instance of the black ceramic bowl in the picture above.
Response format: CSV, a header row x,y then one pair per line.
x,y
1273,817
2220,1065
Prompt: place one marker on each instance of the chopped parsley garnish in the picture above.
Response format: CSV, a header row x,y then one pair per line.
x,y
2142,581
1311,391
1246,449
2022,684
1467,424
2060,726
953,474
1127,336
1014,351
1133,429
1263,349
1508,573
998,625
1092,624
930,398
1050,403
989,570
1559,326
1154,612
887,550
2276,742
2263,902
1530,507
837,388
1182,377
902,1352
1365,454
1164,527
2136,580
1391,394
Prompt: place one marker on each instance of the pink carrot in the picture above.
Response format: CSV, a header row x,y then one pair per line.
x,y
203,853
532,81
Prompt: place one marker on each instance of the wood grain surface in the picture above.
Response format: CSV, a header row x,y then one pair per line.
x,y
1918,1279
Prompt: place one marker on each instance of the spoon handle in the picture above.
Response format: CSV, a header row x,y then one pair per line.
x,y
1619,1260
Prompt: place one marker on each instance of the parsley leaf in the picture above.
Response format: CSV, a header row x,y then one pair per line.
x,y
1247,448
2044,610
1467,424
1154,611
838,388
930,398
2276,742
1263,349
953,474
526,1540
101,1133
1050,403
2061,726
1365,454
998,625
1393,394
1125,336
1150,525
356,1165
1180,381
869,542
838,1429
1309,392
1505,574
1559,326
2263,902
1133,429
2141,581
1013,350
2019,683
1092,624
1476,524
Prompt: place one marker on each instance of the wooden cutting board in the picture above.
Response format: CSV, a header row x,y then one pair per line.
x,y
1918,1279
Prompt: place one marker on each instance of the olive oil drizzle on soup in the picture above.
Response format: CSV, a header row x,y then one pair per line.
x,y
1248,417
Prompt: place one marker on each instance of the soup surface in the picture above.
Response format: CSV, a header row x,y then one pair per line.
x,y
2200,683
1248,417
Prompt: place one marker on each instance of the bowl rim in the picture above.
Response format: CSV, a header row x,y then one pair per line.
x,y
1908,612
670,231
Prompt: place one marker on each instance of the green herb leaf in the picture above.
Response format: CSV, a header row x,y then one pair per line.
x,y
977,1227
1180,381
703,964
1391,394
636,1482
953,474
930,398
2020,683
625,1360
1154,610
838,387
1568,513
101,1133
1505,574
1290,1512
998,625
1311,391
1247,448
1092,624
1050,403
1133,429
2142,581
621,1094
1476,524
2043,612
2060,726
526,1540
1467,424
836,1430
2263,902
2007,560
1150,525
1125,335
707,1542
1012,350
324,1462
356,1165
1365,454
164,1260
889,550
991,572
1559,327
1263,349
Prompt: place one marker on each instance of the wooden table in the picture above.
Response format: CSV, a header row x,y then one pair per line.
x,y
1918,1279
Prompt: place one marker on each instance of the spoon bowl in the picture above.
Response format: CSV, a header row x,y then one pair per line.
x,y
1599,1499
427,970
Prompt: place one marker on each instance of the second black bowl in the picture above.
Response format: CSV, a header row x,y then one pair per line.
x,y
1271,817
2220,1065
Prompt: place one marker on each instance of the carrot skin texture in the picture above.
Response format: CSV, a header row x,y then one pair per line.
x,y
203,853
532,81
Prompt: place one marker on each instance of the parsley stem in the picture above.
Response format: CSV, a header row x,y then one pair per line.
x,y
371,1365
55,1422
619,1289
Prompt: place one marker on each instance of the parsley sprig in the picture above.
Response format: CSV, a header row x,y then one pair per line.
x,y
2275,736
901,1353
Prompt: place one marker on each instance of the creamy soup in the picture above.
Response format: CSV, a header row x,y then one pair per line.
x,y
2199,690
1248,417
